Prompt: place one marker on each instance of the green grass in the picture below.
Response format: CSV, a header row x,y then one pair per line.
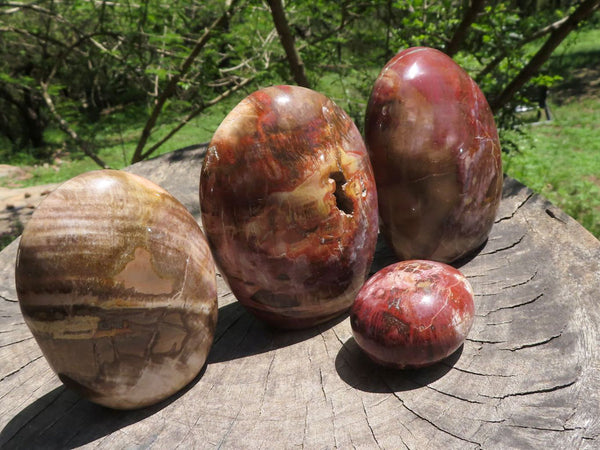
x,y
560,159
116,138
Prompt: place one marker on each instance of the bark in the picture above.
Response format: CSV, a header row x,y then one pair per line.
x,y
461,31
30,129
287,41
583,11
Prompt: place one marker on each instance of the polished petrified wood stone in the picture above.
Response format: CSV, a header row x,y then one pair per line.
x,y
289,206
117,284
526,377
436,155
412,314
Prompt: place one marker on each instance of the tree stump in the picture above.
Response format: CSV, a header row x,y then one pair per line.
x,y
528,375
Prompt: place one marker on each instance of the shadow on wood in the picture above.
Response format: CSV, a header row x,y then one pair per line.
x,y
63,419
239,334
358,371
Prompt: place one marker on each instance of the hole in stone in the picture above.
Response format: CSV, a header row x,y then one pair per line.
x,y
343,202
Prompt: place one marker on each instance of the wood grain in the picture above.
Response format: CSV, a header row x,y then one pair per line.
x,y
527,377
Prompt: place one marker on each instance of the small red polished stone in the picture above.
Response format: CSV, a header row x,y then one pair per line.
x,y
413,313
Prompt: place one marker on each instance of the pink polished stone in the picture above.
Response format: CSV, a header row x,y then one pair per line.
x,y
412,314
436,156
289,206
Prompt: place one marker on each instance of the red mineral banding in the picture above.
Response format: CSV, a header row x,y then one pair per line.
x,y
289,206
436,156
412,314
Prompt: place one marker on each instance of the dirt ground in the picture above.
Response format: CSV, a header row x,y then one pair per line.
x,y
17,204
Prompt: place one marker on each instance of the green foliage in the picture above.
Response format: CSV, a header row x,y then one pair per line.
x,y
96,58
105,64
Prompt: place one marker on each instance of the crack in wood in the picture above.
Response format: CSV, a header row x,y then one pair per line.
x,y
10,300
231,325
484,341
496,324
519,206
502,249
487,271
517,305
322,385
510,286
16,342
369,424
266,385
522,283
325,345
480,374
532,392
434,425
479,419
228,431
560,430
20,368
335,440
61,390
452,395
60,416
305,424
534,344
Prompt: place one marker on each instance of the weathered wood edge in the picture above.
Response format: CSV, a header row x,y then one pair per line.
x,y
528,375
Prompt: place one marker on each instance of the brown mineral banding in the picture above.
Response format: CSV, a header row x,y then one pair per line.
x,y
117,284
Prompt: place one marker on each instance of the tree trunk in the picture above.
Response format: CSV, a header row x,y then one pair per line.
x,y
583,11
33,125
85,146
526,377
287,41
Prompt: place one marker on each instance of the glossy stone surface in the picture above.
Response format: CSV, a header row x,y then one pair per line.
x,y
436,156
289,206
117,284
412,314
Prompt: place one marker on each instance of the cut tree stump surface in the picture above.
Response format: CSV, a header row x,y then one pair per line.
x,y
528,375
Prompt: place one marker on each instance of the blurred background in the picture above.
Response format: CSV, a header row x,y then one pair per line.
x,y
86,84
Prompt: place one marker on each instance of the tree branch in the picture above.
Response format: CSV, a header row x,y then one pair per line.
x,y
195,113
172,84
460,33
287,41
504,52
65,127
583,11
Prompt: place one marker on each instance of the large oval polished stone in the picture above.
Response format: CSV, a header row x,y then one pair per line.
x,y
116,282
289,206
436,156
